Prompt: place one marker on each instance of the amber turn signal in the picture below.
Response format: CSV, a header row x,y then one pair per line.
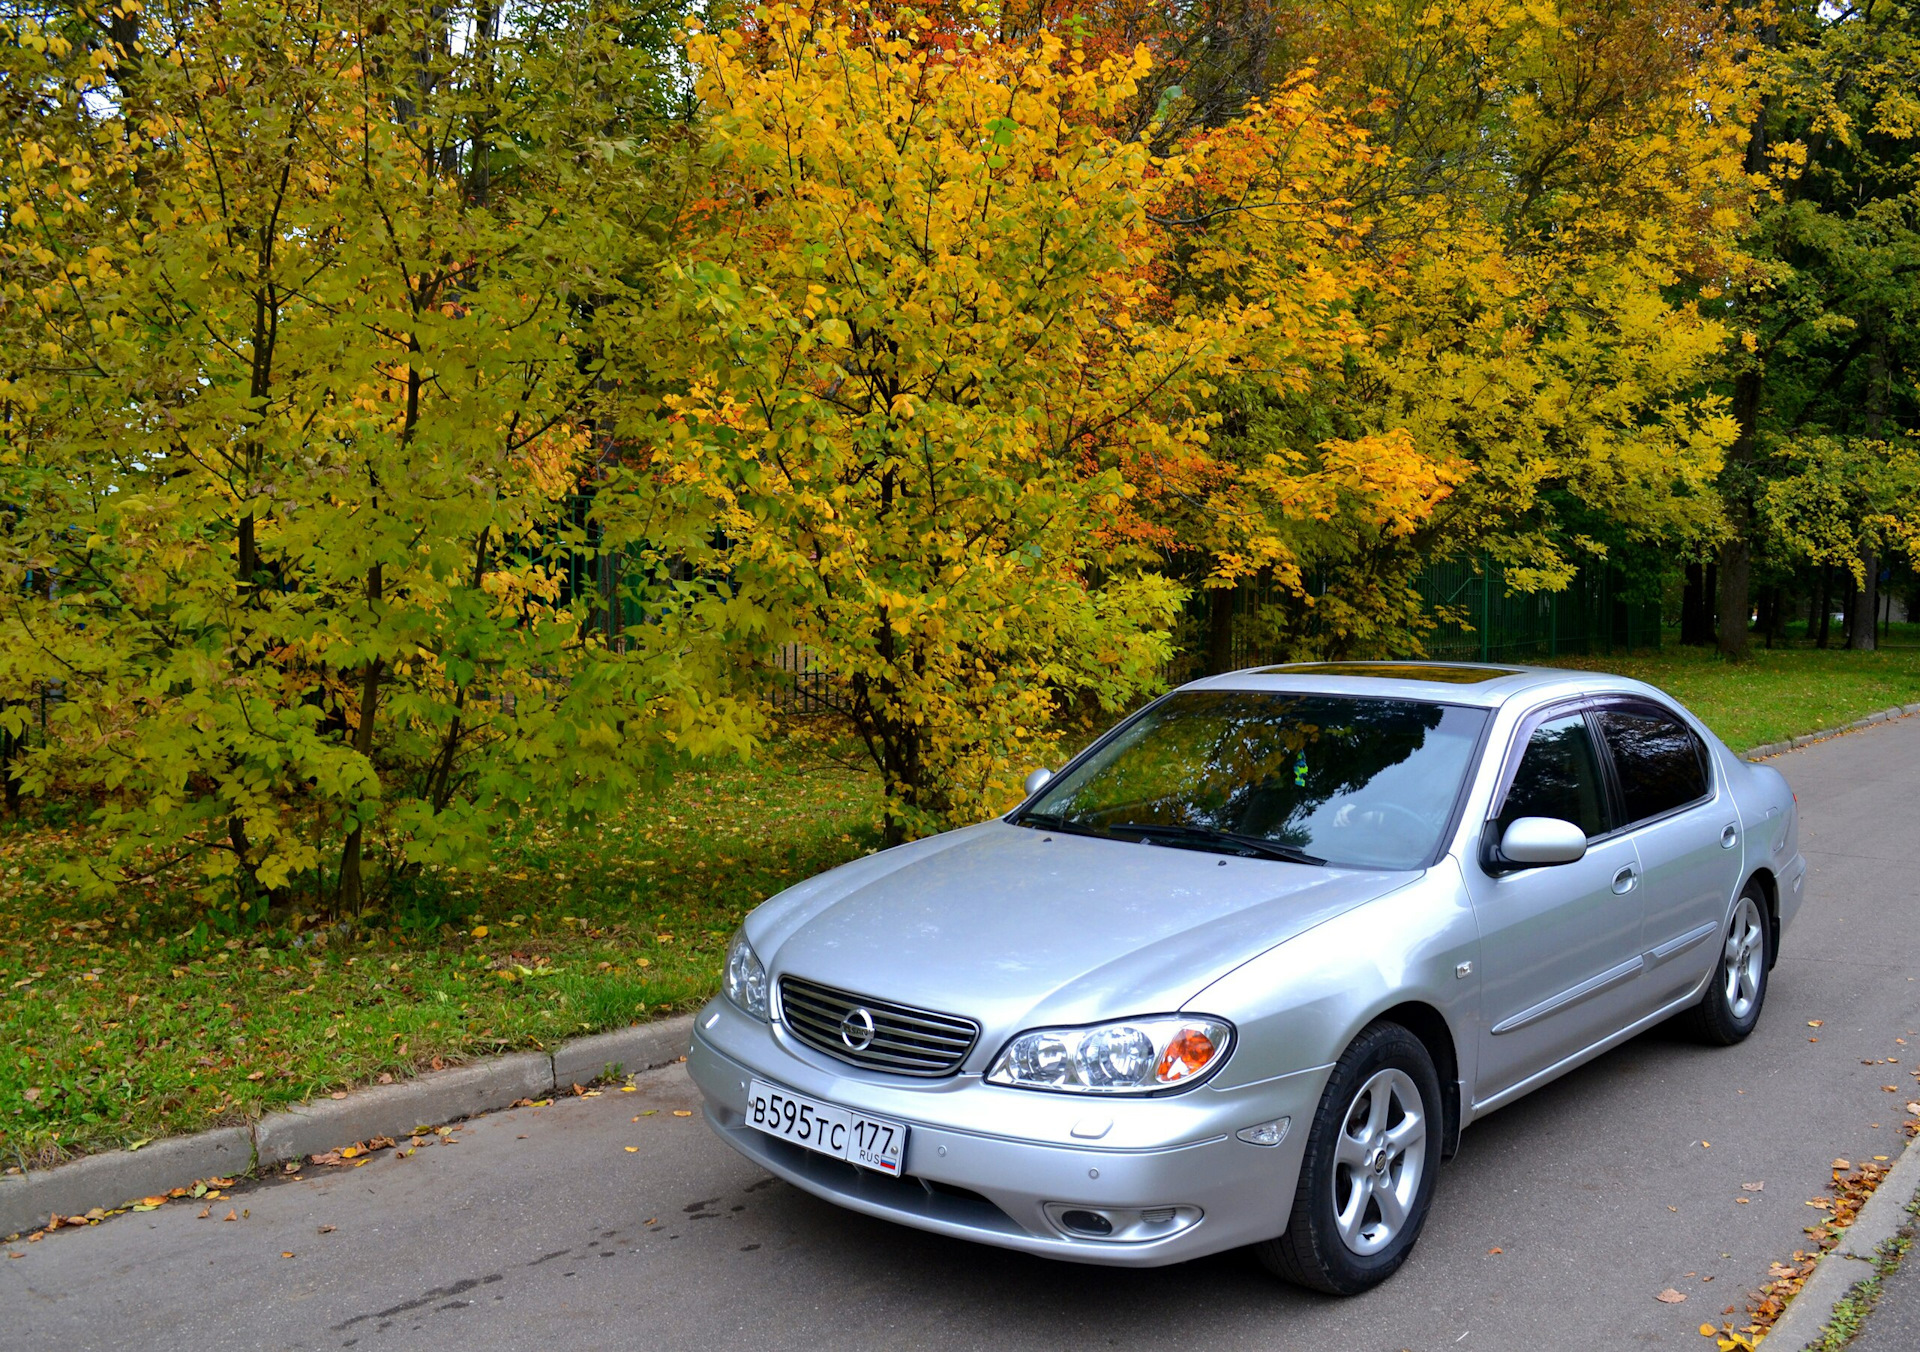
x,y
1190,1052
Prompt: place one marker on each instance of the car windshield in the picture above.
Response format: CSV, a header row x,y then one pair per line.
x,y
1367,783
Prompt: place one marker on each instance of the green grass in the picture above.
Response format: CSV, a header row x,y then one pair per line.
x,y
1776,693
133,1020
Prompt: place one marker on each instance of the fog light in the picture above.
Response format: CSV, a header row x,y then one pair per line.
x,y
1265,1133
1087,1222
1120,1224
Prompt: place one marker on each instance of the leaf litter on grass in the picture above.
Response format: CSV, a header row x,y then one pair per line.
x,y
140,1019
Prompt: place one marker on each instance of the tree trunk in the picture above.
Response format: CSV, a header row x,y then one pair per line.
x,y
1736,556
1695,628
352,889
10,747
1826,604
1862,636
1220,629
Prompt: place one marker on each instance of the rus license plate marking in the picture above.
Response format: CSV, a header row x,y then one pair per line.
x,y
876,1143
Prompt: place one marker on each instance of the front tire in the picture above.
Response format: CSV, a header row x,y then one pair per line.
x,y
1367,1180
1730,1008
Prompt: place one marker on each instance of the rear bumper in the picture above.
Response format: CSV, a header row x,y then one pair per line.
x,y
993,1184
1791,890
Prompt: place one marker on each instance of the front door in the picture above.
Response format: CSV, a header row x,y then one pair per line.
x,y
1560,951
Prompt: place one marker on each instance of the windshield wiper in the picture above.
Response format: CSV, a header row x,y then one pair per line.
x,y
1053,821
1207,835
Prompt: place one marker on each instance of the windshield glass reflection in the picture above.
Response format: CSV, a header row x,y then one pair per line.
x,y
1357,782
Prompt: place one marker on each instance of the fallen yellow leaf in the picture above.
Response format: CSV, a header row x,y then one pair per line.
x,y
683,1112
633,1150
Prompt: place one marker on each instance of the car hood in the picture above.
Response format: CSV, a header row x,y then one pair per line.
x,y
1015,927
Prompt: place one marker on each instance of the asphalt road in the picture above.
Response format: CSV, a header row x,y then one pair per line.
x,y
540,1228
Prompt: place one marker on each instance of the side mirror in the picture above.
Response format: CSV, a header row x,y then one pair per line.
x,y
1532,841
1037,780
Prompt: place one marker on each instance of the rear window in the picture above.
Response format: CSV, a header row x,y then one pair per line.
x,y
1658,759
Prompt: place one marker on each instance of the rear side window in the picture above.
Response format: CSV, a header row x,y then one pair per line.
x,y
1657,758
1559,776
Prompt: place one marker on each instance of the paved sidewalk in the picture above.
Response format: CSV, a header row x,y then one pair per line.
x,y
1894,1325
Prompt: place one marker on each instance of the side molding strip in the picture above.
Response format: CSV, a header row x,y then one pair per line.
x,y
1673,948
1586,990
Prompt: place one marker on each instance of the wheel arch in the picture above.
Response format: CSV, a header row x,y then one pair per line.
x,y
1769,887
1431,1027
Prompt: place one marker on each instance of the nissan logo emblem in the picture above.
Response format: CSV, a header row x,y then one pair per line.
x,y
856,1030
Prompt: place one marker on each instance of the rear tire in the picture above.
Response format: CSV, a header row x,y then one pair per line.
x,y
1730,1008
1366,1183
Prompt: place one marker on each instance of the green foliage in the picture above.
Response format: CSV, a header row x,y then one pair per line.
x,y
130,1017
905,325
1834,302
297,418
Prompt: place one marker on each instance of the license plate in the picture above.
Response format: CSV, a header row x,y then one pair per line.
x,y
870,1142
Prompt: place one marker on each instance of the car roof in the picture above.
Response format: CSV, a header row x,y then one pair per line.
x,y
1483,684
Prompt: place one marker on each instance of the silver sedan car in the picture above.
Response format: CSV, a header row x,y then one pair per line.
x,y
1242,972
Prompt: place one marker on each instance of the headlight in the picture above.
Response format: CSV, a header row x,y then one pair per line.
x,y
1135,1056
746,980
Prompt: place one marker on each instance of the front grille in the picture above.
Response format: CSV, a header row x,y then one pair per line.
x,y
906,1041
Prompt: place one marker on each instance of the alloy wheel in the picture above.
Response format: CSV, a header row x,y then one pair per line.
x,y
1379,1161
1741,961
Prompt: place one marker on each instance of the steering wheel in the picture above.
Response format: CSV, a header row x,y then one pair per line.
x,y
1414,820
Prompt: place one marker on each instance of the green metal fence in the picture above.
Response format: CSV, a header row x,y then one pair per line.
x,y
1481,621
1478,620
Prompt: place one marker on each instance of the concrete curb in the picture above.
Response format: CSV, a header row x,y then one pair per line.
x,y
116,1177
628,1050
1763,751
1851,1260
395,1109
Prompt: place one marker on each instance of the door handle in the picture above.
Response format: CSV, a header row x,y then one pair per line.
x,y
1624,880
1729,837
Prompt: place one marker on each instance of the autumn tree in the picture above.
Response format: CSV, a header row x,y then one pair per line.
x,y
297,412
918,335
1833,306
1533,200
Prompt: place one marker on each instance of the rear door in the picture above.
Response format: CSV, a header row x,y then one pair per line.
x,y
1684,825
1559,946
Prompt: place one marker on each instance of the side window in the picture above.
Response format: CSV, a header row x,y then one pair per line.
x,y
1657,758
1559,776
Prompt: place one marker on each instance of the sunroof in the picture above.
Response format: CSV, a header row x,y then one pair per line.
x,y
1394,671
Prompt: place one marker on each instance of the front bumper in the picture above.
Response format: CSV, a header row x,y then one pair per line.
x,y
984,1161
